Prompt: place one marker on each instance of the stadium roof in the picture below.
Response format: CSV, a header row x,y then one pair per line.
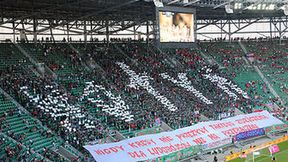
x,y
128,9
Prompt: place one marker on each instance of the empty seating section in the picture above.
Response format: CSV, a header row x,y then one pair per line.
x,y
13,150
6,144
226,54
11,57
272,59
58,57
249,80
25,129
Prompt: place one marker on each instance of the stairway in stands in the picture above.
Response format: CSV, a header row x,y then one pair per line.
x,y
260,73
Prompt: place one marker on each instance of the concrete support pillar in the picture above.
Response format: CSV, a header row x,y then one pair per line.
x,y
68,33
85,32
14,37
107,31
35,24
147,32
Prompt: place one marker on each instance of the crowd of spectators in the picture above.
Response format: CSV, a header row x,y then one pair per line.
x,y
268,55
50,103
141,60
85,105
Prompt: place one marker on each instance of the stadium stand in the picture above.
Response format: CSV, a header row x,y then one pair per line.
x,y
24,130
79,96
271,57
57,98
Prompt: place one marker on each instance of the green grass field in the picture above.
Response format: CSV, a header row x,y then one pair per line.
x,y
264,156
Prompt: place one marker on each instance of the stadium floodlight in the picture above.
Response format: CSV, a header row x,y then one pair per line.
x,y
250,7
285,9
237,6
271,7
158,3
191,2
228,9
259,6
286,12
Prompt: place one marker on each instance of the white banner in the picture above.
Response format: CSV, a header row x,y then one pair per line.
x,y
210,134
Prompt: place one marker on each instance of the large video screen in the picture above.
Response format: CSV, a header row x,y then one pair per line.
x,y
176,27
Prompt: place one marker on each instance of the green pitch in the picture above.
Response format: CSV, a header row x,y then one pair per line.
x,y
265,156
